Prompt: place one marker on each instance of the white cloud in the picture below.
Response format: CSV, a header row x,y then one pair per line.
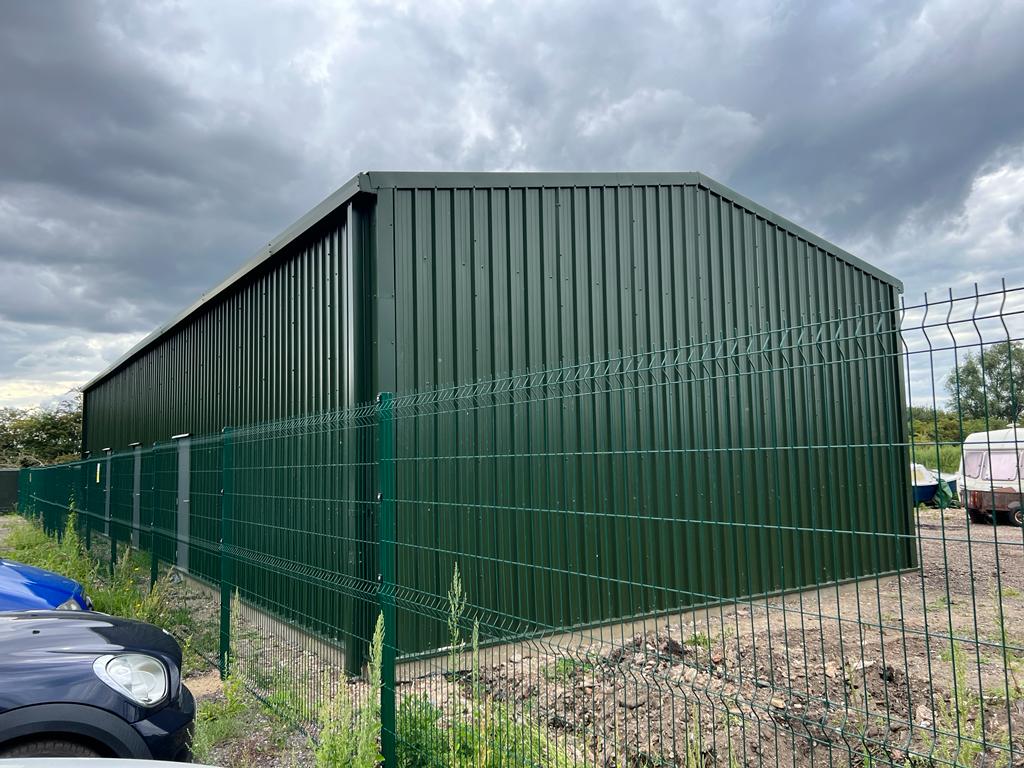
x,y
980,242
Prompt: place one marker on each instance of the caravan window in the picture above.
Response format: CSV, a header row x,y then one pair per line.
x,y
1001,466
972,463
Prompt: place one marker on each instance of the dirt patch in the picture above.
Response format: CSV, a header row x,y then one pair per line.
x,y
254,737
925,667
205,685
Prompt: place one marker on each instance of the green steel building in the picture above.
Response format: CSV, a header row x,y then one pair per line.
x,y
413,282
409,281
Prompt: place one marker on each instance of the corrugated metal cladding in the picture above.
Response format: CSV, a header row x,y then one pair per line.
x,y
425,279
288,341
413,281
489,280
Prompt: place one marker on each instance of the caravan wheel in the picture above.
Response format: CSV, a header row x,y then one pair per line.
x,y
1010,517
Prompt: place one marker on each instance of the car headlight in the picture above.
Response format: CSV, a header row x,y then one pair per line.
x,y
69,605
140,678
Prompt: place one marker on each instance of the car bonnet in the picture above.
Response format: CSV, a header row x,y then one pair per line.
x,y
25,587
62,632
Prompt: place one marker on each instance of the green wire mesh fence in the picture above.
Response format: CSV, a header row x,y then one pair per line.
x,y
751,550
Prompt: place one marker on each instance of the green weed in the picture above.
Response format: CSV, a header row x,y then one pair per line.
x,y
421,742
349,737
368,724
693,754
338,739
1014,686
456,606
288,695
565,668
939,604
491,736
732,759
698,640
960,737
220,720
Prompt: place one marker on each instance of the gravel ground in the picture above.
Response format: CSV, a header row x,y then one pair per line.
x,y
264,740
818,678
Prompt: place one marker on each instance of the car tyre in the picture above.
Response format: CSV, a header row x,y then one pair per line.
x,y
49,748
1013,517
977,516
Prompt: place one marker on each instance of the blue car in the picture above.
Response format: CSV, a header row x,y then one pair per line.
x,y
82,684
27,588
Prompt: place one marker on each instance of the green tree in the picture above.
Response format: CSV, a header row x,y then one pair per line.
x,y
41,435
949,427
990,383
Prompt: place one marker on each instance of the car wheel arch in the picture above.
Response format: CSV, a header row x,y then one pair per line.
x,y
91,726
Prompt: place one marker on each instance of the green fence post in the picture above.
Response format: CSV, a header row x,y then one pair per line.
x,y
86,496
154,560
24,478
226,494
386,593
108,526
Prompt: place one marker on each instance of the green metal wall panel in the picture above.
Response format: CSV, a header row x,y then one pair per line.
x,y
490,280
425,281
287,341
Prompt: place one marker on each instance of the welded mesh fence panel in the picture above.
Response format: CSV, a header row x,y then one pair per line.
x,y
746,550
965,379
49,494
121,500
204,507
164,512
300,536
712,554
592,508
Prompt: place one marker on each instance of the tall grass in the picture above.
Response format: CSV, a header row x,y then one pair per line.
x,y
945,458
350,737
475,732
493,735
118,593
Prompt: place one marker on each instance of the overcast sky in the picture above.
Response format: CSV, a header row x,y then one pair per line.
x,y
148,149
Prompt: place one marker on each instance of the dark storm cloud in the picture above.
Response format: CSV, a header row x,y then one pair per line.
x,y
896,136
848,116
85,112
146,150
122,194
